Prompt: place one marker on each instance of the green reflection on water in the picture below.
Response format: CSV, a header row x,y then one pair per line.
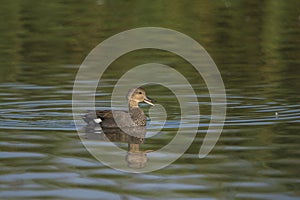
x,y
256,40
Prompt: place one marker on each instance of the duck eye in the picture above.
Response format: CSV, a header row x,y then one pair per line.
x,y
140,92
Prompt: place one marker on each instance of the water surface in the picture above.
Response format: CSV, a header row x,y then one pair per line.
x,y
256,48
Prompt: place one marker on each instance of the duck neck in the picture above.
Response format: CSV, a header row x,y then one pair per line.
x,y
133,104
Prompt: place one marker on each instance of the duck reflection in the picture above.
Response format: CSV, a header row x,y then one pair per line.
x,y
133,136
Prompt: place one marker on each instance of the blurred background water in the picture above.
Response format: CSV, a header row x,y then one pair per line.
x,y
256,46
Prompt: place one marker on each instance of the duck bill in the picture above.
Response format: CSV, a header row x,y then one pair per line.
x,y
149,101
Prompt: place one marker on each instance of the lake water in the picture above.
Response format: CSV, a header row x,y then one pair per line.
x,y
256,48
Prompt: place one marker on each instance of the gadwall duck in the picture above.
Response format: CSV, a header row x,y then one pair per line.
x,y
135,116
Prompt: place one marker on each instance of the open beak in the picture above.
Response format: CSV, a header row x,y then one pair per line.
x,y
149,101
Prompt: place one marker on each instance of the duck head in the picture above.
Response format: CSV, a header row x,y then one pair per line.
x,y
137,95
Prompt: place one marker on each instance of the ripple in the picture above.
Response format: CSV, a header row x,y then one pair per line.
x,y
61,193
20,155
260,114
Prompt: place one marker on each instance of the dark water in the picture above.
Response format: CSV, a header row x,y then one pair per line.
x,y
255,45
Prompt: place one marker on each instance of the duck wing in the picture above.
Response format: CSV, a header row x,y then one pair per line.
x,y
106,118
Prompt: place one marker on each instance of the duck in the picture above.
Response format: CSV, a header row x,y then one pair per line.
x,y
135,117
